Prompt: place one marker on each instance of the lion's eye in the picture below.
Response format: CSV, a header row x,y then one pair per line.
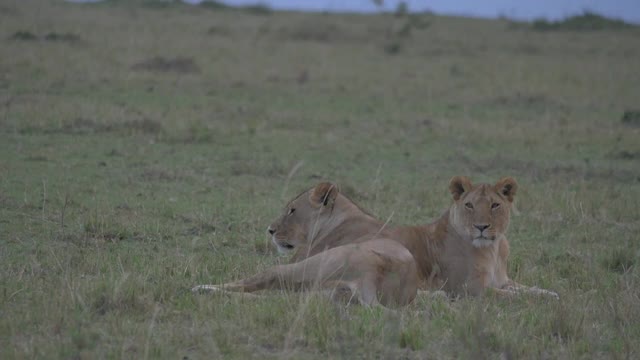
x,y
291,211
495,205
468,205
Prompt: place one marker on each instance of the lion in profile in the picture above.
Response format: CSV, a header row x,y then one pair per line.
x,y
338,246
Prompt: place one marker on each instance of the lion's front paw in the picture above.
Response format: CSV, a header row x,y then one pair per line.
x,y
205,289
544,292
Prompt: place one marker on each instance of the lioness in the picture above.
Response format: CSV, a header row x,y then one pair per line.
x,y
463,252
371,267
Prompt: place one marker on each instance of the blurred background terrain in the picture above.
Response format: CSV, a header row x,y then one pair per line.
x,y
146,145
627,10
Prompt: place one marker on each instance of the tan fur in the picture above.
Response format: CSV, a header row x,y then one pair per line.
x,y
307,229
374,272
454,254
337,244
340,248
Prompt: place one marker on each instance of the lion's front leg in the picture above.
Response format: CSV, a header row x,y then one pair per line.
x,y
542,292
206,288
515,288
264,281
222,289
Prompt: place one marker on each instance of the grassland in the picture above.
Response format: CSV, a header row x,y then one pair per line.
x,y
144,149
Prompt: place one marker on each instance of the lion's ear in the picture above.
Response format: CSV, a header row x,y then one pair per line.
x,y
508,187
323,194
459,185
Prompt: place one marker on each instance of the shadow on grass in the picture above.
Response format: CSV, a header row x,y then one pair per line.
x,y
631,117
28,36
82,126
179,65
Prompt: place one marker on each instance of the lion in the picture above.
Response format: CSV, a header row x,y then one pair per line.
x,y
341,248
468,243
336,244
305,228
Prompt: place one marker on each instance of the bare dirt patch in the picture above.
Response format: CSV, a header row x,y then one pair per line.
x,y
626,155
631,117
587,21
526,101
6,202
83,125
156,174
23,35
62,37
218,30
179,65
197,226
619,261
317,31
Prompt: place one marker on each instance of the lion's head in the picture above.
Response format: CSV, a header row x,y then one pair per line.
x,y
303,217
480,213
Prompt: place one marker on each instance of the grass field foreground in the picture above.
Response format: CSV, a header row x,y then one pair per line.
x,y
144,149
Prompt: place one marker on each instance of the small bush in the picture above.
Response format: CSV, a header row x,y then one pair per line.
x,y
214,5
257,9
619,261
402,9
393,48
159,4
23,36
62,37
319,31
631,117
397,34
181,65
218,30
97,227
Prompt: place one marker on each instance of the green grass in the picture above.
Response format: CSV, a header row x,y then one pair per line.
x,y
145,149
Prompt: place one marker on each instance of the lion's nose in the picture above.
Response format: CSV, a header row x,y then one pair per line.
x,y
481,227
271,230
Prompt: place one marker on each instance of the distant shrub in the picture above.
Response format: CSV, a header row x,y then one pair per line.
x,y
399,31
62,37
214,5
52,37
405,30
257,9
402,9
393,47
149,4
219,30
158,4
626,155
378,3
619,261
23,36
631,117
320,31
181,65
588,21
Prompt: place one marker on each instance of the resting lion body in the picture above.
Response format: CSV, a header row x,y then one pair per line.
x,y
337,245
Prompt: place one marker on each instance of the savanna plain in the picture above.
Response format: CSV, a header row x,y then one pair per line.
x,y
146,146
